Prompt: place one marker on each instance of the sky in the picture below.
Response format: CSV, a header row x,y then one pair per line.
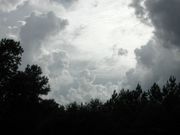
x,y
89,48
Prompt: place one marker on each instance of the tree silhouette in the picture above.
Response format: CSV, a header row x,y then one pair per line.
x,y
155,94
171,93
21,91
95,105
10,59
24,111
27,85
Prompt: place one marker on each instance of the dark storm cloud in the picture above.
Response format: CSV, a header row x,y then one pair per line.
x,y
160,57
155,63
146,55
36,30
164,16
139,9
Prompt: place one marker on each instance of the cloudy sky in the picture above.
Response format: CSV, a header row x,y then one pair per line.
x,y
88,48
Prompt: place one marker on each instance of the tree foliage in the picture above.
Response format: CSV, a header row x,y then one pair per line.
x,y
27,85
10,59
24,111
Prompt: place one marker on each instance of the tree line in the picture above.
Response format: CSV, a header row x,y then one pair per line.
x,y
24,111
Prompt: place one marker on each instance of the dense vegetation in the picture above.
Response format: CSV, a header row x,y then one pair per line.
x,y
23,111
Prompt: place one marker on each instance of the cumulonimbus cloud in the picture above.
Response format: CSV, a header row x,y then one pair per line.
x,y
160,57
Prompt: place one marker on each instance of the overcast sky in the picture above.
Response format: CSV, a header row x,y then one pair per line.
x,y
88,48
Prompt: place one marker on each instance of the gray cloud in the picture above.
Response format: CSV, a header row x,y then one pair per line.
x,y
65,3
69,85
56,67
73,74
87,90
60,61
9,5
46,24
122,52
36,30
119,51
160,57
155,63
146,55
10,22
139,9
164,16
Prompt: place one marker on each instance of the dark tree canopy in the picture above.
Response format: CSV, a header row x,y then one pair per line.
x,y
10,59
21,91
24,111
155,93
27,85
